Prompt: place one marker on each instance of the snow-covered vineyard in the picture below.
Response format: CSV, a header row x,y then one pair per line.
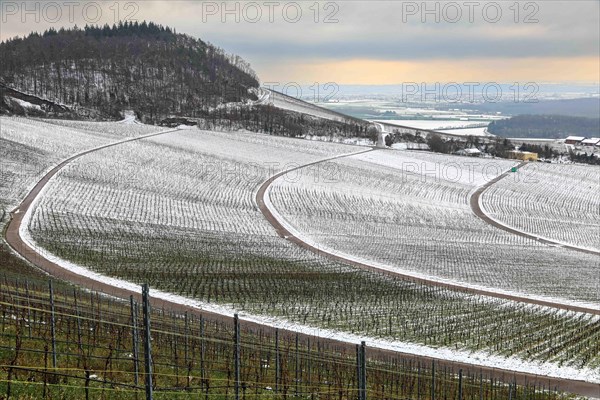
x,y
179,211
560,202
409,211
31,147
286,102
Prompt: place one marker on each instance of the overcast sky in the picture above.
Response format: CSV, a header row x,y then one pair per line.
x,y
364,42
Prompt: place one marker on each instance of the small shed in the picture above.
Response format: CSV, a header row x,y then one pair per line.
x,y
591,142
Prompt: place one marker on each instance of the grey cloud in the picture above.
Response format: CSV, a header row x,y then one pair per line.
x,y
424,48
375,29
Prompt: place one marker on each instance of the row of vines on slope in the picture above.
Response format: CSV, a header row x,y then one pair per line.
x,y
71,344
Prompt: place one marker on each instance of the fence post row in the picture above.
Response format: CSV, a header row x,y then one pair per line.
x,y
452,383
147,344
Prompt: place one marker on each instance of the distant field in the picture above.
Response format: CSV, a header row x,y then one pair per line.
x,y
468,131
454,127
435,124
285,102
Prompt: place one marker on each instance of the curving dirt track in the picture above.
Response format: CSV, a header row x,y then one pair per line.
x,y
15,241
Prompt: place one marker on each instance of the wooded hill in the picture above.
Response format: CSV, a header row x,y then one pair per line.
x,y
141,66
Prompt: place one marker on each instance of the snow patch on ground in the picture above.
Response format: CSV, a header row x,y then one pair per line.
x,y
26,104
335,139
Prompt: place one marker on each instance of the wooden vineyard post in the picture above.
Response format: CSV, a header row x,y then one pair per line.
x,y
52,325
460,381
297,366
28,307
358,372
308,369
480,385
134,334
432,380
363,370
147,344
236,335
419,380
186,350
202,350
82,353
276,360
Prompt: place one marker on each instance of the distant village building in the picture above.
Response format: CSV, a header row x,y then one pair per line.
x,y
410,146
417,146
522,155
472,152
574,139
589,146
591,142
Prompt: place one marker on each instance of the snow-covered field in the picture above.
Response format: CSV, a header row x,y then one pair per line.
x,y
289,103
437,124
30,147
178,211
410,211
467,131
343,140
558,202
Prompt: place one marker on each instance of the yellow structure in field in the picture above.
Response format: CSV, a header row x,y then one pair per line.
x,y
522,155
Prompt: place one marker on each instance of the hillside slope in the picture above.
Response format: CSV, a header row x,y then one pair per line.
x,y
144,67
286,102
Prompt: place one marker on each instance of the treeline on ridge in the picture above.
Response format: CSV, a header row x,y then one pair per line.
x,y
268,119
545,126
